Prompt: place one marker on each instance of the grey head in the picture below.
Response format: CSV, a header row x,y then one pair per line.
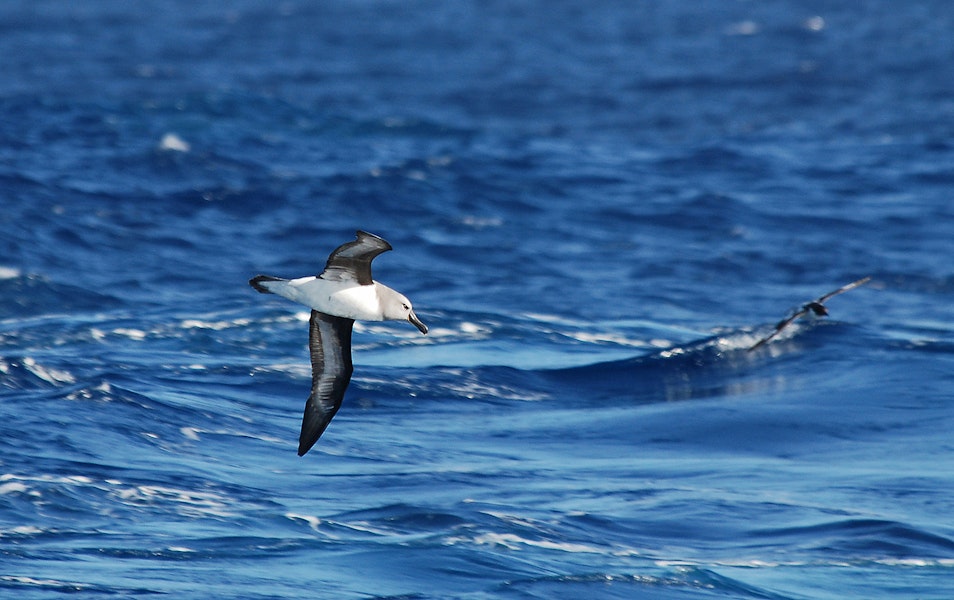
x,y
396,307
352,262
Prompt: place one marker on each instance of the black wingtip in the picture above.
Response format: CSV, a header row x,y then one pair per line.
x,y
257,281
359,234
304,445
313,424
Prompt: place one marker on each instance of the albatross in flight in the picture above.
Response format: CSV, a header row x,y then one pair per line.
x,y
341,294
815,308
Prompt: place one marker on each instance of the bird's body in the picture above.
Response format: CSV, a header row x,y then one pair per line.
x,y
339,298
343,293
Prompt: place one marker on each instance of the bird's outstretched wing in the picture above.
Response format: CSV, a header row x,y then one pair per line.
x,y
330,343
352,261
816,306
843,289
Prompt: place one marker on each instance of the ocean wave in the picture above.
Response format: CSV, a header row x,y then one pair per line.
x,y
30,295
675,583
597,208
26,372
714,366
23,585
54,498
873,539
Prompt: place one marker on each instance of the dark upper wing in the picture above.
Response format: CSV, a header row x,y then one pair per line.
x,y
780,326
352,261
330,343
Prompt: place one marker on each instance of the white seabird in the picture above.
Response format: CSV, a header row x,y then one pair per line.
x,y
342,293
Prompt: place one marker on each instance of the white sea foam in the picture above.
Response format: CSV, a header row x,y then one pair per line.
x,y
553,319
295,369
513,541
9,272
13,487
214,325
70,479
312,521
191,433
171,142
315,523
48,374
206,504
194,434
42,582
743,28
11,483
21,530
133,334
753,563
472,388
606,337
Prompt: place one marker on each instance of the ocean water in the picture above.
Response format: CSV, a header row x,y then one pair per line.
x,y
596,207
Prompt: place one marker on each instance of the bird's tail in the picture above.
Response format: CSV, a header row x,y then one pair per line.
x,y
264,283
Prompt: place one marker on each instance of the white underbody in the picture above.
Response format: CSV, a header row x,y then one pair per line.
x,y
338,298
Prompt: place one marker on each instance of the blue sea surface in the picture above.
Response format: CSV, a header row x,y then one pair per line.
x,y
597,207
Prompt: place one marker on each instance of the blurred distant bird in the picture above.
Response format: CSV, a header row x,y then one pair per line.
x,y
815,308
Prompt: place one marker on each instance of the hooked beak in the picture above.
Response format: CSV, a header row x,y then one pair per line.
x,y
417,322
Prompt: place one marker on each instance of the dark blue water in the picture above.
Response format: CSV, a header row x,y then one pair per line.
x,y
596,207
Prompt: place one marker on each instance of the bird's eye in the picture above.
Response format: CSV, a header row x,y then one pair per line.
x,y
406,307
